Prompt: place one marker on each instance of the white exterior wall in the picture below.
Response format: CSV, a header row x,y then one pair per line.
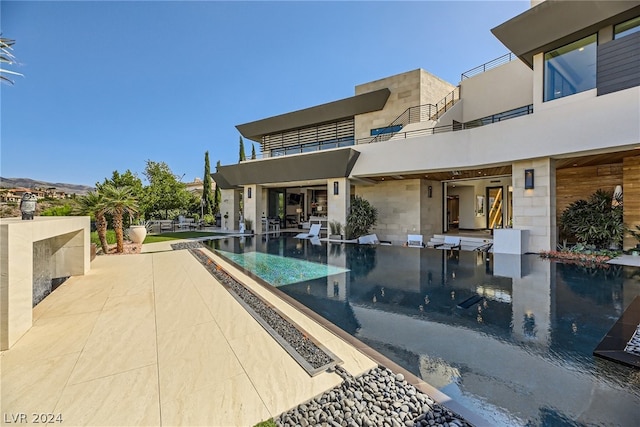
x,y
568,129
500,89
338,204
229,205
571,126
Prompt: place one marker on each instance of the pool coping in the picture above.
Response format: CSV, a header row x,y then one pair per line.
x,y
370,352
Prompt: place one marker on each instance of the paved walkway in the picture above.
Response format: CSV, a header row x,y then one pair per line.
x,y
154,339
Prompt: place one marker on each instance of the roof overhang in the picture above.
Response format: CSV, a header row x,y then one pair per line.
x,y
286,169
332,111
554,23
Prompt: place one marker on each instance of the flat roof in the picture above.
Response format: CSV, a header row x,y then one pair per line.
x,y
554,23
324,113
310,166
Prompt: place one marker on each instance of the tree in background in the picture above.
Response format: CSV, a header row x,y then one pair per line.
x,y
253,151
207,195
6,57
242,155
118,201
165,192
93,204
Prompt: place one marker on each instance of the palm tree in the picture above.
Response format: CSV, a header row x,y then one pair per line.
x,y
93,204
6,57
119,200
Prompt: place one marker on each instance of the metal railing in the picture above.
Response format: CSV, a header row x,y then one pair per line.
x,y
418,114
456,126
489,65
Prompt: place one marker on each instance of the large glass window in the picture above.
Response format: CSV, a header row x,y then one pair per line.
x,y
628,27
570,69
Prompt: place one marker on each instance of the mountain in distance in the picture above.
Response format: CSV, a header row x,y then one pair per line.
x,y
32,183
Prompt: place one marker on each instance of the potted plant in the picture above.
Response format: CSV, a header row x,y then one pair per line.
x,y
138,231
248,226
336,230
226,217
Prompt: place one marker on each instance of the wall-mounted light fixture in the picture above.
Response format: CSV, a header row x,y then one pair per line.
x,y
249,193
336,189
528,179
430,192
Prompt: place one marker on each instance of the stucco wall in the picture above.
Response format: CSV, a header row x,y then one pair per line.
x,y
481,98
408,89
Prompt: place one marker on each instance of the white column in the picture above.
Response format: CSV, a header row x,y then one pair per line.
x,y
535,209
338,204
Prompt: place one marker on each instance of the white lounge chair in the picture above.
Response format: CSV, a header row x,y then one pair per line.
x,y
450,242
314,231
369,239
415,241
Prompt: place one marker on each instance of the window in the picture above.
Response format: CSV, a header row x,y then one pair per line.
x,y
388,129
570,69
628,27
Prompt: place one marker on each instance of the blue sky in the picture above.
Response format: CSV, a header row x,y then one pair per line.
x,y
109,85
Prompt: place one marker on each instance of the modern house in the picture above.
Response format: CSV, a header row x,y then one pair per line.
x,y
515,142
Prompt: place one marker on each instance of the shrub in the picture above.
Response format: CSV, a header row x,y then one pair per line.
x,y
361,219
64,210
335,227
595,221
208,219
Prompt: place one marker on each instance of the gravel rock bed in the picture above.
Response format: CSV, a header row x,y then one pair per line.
x,y
377,398
306,348
186,245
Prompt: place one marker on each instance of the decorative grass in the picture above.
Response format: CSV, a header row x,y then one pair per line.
x,y
180,235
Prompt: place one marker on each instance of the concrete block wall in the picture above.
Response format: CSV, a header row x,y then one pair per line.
x,y
535,209
408,89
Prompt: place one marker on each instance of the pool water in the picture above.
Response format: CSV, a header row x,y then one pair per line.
x,y
519,354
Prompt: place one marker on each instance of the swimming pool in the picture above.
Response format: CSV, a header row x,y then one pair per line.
x,y
520,355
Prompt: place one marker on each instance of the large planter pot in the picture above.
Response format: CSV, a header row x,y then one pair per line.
x,y
137,233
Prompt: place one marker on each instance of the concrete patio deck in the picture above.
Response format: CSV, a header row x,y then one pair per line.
x,y
154,339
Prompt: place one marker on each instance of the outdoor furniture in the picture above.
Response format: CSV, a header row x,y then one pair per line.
x,y
450,242
369,239
415,241
314,231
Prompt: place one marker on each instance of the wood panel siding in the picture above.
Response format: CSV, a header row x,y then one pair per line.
x,y
631,196
581,182
618,64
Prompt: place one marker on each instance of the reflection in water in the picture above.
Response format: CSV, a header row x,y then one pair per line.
x,y
520,355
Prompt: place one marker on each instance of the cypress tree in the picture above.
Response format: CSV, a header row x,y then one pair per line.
x,y
206,187
217,196
253,151
242,155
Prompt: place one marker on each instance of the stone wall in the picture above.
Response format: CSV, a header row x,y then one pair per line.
x,y
535,209
405,208
409,89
